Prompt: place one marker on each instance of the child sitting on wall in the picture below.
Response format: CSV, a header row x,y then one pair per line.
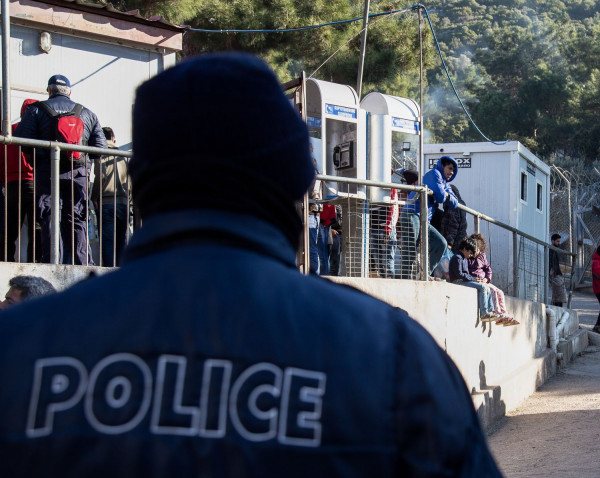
x,y
459,274
480,268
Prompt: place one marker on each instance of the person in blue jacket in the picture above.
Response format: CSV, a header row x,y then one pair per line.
x,y
207,353
437,180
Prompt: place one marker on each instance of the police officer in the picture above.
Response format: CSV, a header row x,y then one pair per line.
x,y
207,353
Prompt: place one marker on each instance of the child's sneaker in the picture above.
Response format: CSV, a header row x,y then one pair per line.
x,y
489,317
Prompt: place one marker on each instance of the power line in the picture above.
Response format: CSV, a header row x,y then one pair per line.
x,y
297,29
439,50
356,19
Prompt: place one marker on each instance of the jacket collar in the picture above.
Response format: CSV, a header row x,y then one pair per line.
x,y
166,231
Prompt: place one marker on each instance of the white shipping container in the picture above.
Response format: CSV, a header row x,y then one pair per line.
x,y
105,54
510,184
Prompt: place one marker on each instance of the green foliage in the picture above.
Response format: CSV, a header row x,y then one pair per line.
x,y
527,70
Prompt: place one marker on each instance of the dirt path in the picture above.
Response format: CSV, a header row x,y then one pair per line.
x,y
556,431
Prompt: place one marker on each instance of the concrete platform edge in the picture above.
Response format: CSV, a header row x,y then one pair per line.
x,y
493,401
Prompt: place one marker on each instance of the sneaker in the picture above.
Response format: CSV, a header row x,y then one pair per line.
x,y
489,317
510,321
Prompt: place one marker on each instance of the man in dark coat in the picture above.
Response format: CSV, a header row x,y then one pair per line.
x,y
38,124
207,353
454,222
557,281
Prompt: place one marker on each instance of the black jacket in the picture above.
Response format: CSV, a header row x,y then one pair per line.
x,y
454,223
37,124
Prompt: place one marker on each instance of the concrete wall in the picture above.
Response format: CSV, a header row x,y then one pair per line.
x,y
59,276
501,365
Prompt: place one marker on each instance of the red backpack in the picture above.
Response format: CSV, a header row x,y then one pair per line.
x,y
68,128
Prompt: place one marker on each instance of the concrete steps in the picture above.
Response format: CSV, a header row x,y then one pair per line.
x,y
492,401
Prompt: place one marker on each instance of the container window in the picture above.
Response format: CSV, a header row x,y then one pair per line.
x,y
540,197
523,186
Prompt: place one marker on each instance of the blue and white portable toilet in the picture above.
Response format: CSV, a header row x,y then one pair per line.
x,y
393,138
336,134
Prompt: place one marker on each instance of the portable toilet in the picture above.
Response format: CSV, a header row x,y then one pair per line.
x,y
509,183
393,141
337,139
337,135
393,138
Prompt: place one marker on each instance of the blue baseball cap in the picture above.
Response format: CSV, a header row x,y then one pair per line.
x,y
59,80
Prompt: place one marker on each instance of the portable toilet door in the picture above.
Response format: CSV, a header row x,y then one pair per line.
x,y
337,140
393,134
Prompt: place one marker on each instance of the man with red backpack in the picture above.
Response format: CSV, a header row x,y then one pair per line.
x,y
61,119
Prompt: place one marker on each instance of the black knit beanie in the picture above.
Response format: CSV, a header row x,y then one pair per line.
x,y
217,132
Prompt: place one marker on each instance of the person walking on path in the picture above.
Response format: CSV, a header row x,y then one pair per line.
x,y
596,283
557,281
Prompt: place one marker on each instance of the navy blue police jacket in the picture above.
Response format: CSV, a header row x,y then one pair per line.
x,y
208,354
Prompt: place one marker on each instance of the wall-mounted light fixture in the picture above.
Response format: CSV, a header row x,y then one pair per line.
x,y
45,42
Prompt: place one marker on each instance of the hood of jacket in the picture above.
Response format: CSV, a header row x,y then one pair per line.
x,y
440,168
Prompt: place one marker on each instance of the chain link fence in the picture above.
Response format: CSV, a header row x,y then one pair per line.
x,y
575,215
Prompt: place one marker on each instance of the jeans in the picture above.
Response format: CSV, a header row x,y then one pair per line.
x,y
113,244
323,250
14,221
313,238
383,252
484,297
73,225
411,226
334,255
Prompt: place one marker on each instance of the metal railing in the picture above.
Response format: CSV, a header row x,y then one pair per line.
x,y
365,209
365,252
55,212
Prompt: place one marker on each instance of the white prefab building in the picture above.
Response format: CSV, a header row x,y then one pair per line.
x,y
508,183
106,54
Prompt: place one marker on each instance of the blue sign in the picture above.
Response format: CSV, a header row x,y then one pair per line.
x,y
342,111
312,121
406,125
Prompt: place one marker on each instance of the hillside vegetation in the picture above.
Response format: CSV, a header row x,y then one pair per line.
x,y
526,70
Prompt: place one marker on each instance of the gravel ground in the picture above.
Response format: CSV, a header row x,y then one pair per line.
x,y
556,431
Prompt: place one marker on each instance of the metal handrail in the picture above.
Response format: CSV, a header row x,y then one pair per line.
x,y
55,148
476,215
37,143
